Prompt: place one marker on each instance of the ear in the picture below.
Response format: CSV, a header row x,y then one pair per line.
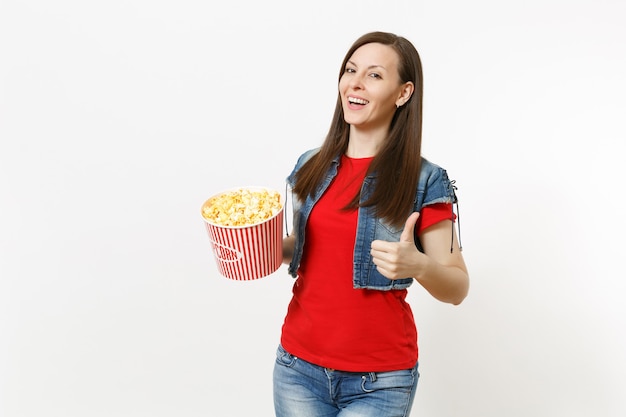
x,y
405,93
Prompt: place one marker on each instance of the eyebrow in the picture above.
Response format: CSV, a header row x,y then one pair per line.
x,y
370,67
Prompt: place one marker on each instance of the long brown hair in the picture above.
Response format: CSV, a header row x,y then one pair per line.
x,y
397,164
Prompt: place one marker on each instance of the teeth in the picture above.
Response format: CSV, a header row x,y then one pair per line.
x,y
357,100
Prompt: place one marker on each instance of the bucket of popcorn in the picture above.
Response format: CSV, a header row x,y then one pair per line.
x,y
245,227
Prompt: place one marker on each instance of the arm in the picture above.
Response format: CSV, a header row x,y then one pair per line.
x,y
443,274
289,244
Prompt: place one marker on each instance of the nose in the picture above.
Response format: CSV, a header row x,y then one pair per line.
x,y
356,81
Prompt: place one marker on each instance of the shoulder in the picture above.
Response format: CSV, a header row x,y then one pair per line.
x,y
430,171
302,159
306,156
429,166
434,184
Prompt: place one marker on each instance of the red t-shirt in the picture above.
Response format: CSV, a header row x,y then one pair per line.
x,y
328,322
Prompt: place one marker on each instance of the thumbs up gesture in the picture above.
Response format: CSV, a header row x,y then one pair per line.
x,y
396,260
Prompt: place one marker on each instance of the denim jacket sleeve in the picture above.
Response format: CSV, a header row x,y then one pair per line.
x,y
434,186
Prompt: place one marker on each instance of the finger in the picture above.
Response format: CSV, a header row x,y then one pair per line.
x,y
379,246
409,228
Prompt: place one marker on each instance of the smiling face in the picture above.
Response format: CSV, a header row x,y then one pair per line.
x,y
371,89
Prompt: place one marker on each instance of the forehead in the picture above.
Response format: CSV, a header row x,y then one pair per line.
x,y
375,54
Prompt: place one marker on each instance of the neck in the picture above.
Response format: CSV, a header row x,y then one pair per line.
x,y
364,145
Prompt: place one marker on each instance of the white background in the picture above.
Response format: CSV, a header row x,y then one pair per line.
x,y
119,118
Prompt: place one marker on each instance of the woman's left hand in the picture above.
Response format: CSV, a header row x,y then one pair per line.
x,y
401,259
440,270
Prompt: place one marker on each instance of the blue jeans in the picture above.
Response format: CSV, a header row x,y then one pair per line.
x,y
302,389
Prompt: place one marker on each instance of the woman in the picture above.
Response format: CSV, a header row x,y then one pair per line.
x,y
370,217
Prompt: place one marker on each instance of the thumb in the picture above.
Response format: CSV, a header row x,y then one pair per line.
x,y
409,228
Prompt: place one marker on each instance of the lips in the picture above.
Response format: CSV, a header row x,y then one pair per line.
x,y
357,100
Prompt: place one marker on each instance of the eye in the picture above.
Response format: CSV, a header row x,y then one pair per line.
x,y
350,70
375,75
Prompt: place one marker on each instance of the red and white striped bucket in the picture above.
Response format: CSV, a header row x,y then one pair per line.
x,y
245,253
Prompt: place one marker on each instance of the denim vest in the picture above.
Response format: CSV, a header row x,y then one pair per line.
x,y
433,187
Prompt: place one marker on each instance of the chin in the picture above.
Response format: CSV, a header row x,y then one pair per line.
x,y
353,121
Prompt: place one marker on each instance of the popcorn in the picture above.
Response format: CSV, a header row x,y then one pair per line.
x,y
242,207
